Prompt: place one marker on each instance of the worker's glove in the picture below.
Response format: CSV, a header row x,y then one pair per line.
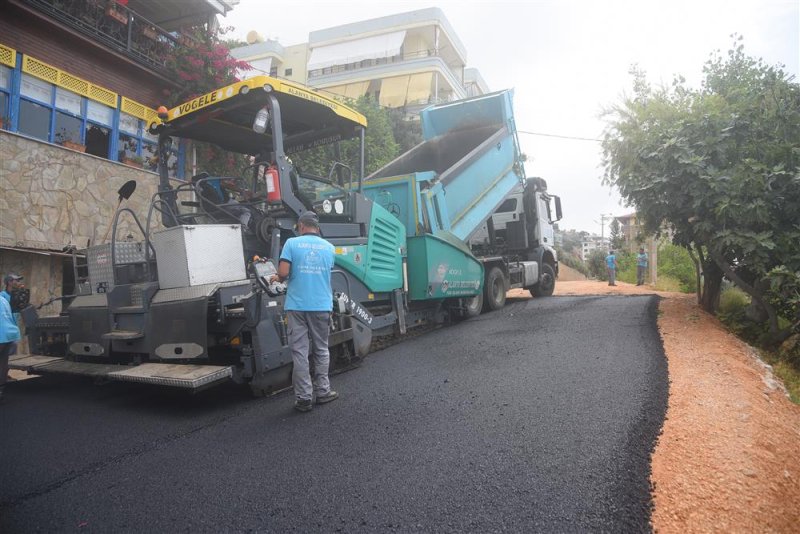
x,y
276,288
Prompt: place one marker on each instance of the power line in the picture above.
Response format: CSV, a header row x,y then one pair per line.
x,y
574,138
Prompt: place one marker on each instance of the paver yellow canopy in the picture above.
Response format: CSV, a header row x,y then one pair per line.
x,y
225,117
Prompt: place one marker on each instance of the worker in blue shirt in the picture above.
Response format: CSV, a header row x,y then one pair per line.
x,y
10,283
641,266
306,262
611,263
9,335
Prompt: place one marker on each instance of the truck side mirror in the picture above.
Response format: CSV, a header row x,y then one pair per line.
x,y
558,209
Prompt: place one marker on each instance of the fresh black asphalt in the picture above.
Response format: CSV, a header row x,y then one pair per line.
x,y
538,418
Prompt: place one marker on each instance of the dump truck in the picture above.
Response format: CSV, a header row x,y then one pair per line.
x,y
517,242
189,304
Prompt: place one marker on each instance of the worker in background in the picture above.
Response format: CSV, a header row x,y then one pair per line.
x,y
9,331
641,266
611,263
306,262
11,282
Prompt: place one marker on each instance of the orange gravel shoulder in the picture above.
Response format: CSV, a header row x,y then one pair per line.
x,y
727,458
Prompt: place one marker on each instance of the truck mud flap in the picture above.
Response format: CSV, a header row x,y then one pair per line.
x,y
362,339
161,374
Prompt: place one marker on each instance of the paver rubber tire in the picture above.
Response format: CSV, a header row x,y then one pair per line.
x,y
472,306
547,282
494,290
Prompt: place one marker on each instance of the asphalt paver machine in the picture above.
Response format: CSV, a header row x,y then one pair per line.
x,y
190,305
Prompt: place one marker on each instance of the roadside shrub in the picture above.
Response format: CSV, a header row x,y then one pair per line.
x,y
784,295
597,264
733,301
627,266
667,283
675,262
789,373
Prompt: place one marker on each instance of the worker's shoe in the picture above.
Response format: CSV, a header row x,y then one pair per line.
x,y
328,397
303,405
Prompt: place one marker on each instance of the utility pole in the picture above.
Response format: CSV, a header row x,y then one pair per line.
x,y
653,261
603,217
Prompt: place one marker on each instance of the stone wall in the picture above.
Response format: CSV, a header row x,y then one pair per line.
x,y
53,196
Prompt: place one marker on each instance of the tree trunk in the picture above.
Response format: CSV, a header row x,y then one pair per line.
x,y
772,315
697,274
712,287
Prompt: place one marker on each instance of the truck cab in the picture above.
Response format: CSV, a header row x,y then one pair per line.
x,y
538,216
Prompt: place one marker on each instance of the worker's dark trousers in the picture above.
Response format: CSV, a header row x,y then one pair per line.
x,y
640,272
314,327
6,350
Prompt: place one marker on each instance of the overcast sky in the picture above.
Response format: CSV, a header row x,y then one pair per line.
x,y
566,61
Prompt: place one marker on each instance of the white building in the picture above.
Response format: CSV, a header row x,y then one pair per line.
x,y
592,243
407,60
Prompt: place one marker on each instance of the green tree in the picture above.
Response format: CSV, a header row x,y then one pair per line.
x,y
597,264
380,145
718,165
616,236
407,130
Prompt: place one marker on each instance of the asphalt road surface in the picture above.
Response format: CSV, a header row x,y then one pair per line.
x,y
538,418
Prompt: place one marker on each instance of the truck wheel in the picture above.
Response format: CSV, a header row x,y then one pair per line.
x,y
547,282
495,289
472,306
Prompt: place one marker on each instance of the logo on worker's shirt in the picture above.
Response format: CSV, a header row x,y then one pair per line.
x,y
312,261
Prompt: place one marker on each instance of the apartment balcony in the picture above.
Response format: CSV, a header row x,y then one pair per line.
x,y
339,65
431,78
114,26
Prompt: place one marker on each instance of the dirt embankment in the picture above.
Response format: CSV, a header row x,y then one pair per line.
x,y
568,274
727,459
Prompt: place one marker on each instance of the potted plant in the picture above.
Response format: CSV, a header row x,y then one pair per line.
x,y
133,161
68,140
150,32
116,12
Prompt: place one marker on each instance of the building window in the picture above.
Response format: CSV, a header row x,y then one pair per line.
x,y
150,155
34,120
68,128
99,123
6,122
69,123
5,97
135,142
35,107
53,114
130,133
287,72
97,140
509,204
